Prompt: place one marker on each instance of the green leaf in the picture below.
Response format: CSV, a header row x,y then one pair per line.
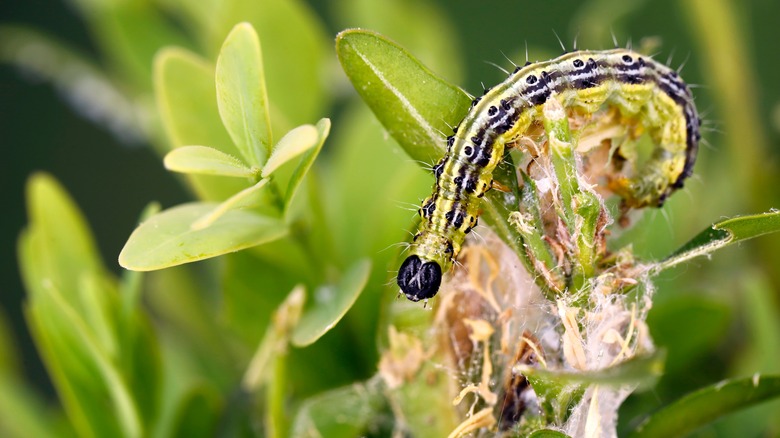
x,y
168,239
344,412
558,391
243,198
424,28
643,370
131,282
720,235
77,388
323,129
548,433
413,104
296,40
64,247
99,312
708,404
76,361
241,94
93,354
330,303
294,143
207,161
125,408
187,102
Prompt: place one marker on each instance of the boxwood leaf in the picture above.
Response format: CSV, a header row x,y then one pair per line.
x,y
720,235
241,94
548,433
330,304
93,352
86,337
643,370
244,198
205,160
413,104
187,102
323,129
168,238
297,42
707,404
186,97
294,143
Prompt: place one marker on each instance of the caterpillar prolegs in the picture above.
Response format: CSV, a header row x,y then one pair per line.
x,y
638,87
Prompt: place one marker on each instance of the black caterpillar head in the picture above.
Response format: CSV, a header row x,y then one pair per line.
x,y
419,280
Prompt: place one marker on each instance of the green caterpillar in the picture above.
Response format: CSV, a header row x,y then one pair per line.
x,y
585,80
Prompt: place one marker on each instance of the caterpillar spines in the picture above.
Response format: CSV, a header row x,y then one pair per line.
x,y
646,94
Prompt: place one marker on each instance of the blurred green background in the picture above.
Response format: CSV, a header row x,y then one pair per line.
x,y
717,318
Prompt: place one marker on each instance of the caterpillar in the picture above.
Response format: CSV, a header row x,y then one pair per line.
x,y
584,81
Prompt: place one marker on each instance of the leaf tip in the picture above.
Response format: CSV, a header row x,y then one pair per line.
x,y
323,125
123,260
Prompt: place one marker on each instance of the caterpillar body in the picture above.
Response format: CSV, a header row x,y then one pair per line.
x,y
583,81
